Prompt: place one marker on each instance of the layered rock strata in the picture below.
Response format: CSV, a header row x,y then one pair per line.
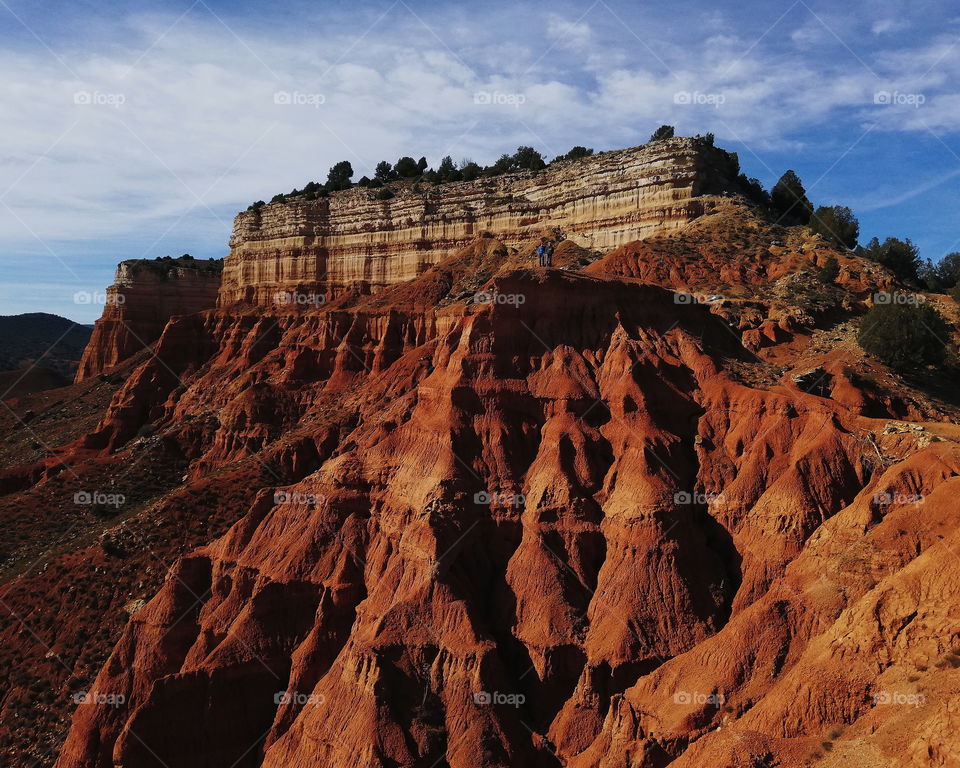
x,y
352,240
144,296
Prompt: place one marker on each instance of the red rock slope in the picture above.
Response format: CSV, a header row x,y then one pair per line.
x,y
575,523
144,296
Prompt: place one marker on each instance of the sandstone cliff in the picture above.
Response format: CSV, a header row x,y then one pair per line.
x,y
352,240
497,516
145,294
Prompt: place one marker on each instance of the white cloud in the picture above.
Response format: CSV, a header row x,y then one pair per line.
x,y
888,26
198,115
574,35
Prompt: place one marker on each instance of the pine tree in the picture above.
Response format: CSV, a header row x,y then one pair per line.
x,y
789,200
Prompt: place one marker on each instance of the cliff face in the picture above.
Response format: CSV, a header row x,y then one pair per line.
x,y
495,516
352,240
549,530
143,297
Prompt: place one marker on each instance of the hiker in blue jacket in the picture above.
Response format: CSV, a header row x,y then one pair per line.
x,y
542,253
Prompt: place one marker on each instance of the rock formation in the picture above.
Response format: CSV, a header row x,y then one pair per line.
x,y
145,294
354,240
595,516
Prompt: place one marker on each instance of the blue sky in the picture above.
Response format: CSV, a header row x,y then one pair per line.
x,y
138,129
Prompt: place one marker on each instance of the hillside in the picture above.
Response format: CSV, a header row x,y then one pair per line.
x,y
651,506
51,344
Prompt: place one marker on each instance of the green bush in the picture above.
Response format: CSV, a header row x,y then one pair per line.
x,y
663,132
575,154
789,200
384,172
904,333
339,176
528,159
447,171
837,224
943,276
385,193
470,171
406,168
901,257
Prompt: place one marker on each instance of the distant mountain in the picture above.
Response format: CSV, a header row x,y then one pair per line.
x,y
49,344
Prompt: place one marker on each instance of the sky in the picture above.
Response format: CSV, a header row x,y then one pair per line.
x,y
138,129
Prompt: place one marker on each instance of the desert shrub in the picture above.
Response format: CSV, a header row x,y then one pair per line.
x,y
575,153
339,176
901,257
663,132
385,193
837,224
528,159
904,335
406,168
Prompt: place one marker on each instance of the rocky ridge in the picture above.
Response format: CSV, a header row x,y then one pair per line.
x,y
597,516
354,241
144,295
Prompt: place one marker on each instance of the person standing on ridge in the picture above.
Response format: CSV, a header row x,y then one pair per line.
x,y
542,253
548,255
